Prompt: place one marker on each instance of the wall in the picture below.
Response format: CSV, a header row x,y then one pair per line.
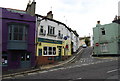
x,y
9,16
111,32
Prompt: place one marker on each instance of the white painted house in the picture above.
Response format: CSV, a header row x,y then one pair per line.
x,y
54,39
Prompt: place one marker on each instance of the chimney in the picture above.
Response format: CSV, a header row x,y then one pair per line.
x,y
50,15
115,18
31,8
98,23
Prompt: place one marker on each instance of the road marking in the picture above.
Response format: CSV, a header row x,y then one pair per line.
x,y
79,78
43,72
85,64
112,70
79,51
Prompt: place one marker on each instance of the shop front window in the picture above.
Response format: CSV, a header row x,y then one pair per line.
x,y
45,50
49,51
54,50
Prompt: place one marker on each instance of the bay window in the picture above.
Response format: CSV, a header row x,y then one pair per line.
x,y
17,32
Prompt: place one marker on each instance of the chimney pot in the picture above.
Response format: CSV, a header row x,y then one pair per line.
x,y
50,15
98,22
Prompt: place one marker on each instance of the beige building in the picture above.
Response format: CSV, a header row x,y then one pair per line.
x,y
82,40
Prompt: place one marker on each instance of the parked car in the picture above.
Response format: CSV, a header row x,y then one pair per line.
x,y
84,45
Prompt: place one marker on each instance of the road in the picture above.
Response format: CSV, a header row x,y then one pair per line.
x,y
84,67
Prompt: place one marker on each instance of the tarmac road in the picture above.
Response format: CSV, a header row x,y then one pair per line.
x,y
83,67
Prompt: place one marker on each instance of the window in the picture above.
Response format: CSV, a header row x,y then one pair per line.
x,y
103,31
22,57
51,30
41,30
45,50
49,51
17,32
104,47
119,46
25,56
59,33
54,50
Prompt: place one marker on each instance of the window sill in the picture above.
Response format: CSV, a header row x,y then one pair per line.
x,y
60,37
52,35
17,41
42,34
49,55
4,65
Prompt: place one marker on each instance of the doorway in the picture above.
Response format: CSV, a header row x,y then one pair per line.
x,y
25,60
59,52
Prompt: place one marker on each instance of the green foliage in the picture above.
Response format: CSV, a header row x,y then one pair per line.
x,y
87,41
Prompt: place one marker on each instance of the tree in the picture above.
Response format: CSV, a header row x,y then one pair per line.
x,y
87,41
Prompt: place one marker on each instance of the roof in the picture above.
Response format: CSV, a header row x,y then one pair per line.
x,y
84,37
45,17
74,31
15,10
116,21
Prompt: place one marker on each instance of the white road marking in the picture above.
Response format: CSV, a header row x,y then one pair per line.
x,y
79,78
43,72
112,70
79,51
32,73
55,69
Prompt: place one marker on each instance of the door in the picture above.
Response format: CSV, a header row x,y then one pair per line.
x,y
25,60
59,52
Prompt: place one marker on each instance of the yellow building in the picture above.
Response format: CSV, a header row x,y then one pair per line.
x,y
49,51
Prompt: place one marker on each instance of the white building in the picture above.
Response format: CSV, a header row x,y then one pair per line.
x,y
54,40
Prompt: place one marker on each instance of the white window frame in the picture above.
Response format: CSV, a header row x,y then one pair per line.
x,y
51,28
48,51
41,27
104,47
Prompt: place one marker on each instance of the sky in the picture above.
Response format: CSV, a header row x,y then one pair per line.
x,y
80,15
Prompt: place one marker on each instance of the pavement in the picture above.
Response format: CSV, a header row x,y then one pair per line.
x,y
13,73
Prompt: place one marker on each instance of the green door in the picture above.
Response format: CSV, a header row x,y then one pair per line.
x,y
25,60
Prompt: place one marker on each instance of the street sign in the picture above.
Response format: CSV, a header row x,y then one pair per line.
x,y
97,44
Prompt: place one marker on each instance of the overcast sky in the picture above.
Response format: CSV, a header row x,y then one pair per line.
x,y
80,15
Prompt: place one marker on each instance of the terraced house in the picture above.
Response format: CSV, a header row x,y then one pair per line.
x,y
18,39
30,39
107,39
54,40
